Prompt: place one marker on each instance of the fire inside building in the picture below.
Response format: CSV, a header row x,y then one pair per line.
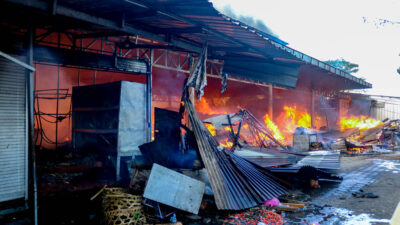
x,y
99,77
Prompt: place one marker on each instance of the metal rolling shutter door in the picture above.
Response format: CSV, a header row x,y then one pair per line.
x,y
13,132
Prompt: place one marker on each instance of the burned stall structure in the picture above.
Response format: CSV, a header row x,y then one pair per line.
x,y
92,93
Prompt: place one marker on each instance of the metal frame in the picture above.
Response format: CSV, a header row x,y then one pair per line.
x,y
31,119
107,45
17,61
115,25
174,40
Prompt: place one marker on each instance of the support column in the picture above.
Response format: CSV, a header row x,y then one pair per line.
x,y
312,108
149,107
31,124
191,89
271,102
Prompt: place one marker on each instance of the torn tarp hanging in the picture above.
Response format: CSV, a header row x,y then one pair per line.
x,y
198,75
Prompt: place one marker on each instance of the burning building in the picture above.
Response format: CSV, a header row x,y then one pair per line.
x,y
49,48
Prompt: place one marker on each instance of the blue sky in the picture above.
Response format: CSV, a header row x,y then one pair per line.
x,y
331,29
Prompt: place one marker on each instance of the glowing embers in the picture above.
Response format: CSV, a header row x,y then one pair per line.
x,y
360,122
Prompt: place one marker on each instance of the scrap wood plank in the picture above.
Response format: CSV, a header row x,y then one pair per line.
x,y
174,189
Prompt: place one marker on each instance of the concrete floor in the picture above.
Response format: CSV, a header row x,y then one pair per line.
x,y
335,204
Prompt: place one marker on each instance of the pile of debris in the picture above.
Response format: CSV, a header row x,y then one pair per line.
x,y
255,215
191,170
379,139
382,138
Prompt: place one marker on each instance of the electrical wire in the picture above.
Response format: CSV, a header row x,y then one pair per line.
x,y
40,116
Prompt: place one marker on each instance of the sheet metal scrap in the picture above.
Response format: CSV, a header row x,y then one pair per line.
x,y
236,183
322,160
307,172
264,157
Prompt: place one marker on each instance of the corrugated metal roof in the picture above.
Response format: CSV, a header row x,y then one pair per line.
x,y
201,12
236,183
176,20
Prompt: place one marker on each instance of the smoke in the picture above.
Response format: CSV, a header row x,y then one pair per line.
x,y
249,20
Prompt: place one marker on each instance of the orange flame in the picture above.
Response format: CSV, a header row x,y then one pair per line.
x,y
294,118
273,128
223,142
360,122
291,118
226,143
211,128
204,107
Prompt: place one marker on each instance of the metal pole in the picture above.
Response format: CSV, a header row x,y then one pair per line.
x,y
94,82
58,93
79,76
17,61
312,108
271,102
31,124
191,89
102,47
149,84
